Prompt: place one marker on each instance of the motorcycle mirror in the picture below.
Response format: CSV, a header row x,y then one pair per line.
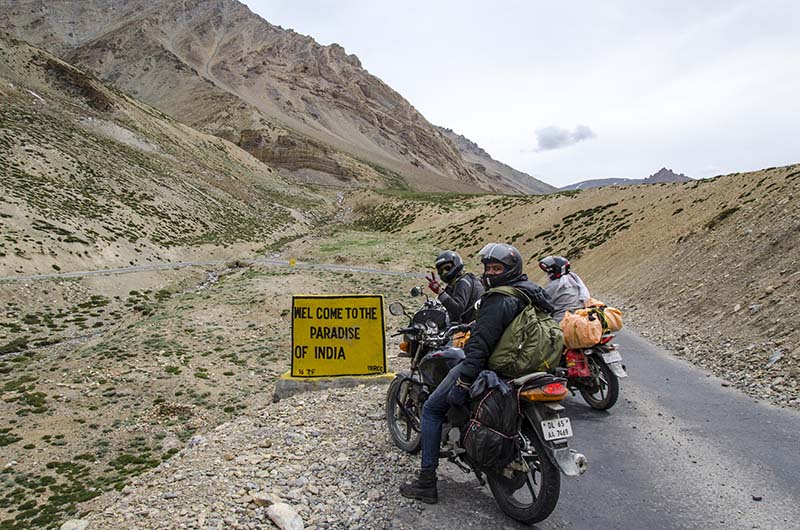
x,y
416,291
397,309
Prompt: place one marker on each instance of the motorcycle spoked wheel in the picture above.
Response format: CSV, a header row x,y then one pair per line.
x,y
402,401
603,391
529,497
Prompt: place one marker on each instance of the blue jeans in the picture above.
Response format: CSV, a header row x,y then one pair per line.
x,y
433,414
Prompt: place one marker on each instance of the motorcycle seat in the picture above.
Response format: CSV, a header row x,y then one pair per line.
x,y
530,378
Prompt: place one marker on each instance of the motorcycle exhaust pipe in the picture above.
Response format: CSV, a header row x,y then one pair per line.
x,y
581,462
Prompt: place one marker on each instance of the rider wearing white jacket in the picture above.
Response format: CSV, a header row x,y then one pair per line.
x,y
565,289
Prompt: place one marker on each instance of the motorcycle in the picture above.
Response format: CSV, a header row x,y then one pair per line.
x,y
528,488
594,372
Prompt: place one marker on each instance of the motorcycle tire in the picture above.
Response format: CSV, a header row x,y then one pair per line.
x,y
604,395
543,473
404,433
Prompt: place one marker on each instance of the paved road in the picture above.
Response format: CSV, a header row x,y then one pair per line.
x,y
678,451
207,263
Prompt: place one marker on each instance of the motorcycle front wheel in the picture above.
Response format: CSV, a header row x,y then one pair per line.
x,y
403,413
528,496
604,390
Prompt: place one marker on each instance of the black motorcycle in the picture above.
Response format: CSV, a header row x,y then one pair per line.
x,y
527,489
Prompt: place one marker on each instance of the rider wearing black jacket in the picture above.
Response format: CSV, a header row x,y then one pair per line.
x,y
502,266
495,314
462,289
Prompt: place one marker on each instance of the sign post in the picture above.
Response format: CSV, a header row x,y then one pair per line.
x,y
336,335
337,340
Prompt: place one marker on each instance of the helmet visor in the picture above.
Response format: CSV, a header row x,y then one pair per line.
x,y
497,252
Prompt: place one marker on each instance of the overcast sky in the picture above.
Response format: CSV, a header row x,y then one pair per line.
x,y
568,91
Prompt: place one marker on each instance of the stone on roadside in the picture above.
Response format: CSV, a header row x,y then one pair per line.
x,y
262,498
196,440
75,524
776,356
285,517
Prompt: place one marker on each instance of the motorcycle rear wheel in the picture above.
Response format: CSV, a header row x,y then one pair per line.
x,y
605,391
401,399
517,496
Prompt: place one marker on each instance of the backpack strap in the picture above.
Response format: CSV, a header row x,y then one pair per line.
x,y
474,282
519,294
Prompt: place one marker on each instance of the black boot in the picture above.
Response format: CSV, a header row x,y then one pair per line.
x,y
423,488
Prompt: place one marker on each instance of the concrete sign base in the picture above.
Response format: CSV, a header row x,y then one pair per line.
x,y
286,385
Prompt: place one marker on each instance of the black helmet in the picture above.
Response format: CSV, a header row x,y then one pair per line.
x,y
456,265
508,256
554,266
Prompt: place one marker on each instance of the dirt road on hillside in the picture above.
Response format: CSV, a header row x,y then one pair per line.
x,y
208,263
678,450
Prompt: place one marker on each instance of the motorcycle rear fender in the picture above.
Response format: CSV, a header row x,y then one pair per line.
x,y
557,451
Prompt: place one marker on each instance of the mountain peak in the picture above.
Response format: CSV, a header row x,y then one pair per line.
x,y
663,175
667,175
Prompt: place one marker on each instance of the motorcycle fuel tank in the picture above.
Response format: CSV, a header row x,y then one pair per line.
x,y
435,366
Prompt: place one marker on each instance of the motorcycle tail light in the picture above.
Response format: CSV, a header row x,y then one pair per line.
x,y
606,339
548,392
404,346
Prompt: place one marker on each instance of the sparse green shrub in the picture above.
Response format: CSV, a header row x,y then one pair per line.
x,y
721,216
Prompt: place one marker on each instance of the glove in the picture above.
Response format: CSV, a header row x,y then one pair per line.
x,y
433,284
459,394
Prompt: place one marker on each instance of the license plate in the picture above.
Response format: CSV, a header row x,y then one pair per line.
x,y
612,357
557,428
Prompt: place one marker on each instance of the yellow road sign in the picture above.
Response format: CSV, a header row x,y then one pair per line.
x,y
337,335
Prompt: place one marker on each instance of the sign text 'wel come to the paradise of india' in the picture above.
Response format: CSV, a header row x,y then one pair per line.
x,y
337,335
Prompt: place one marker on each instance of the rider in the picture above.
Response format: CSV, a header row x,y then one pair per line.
x,y
502,265
462,290
566,289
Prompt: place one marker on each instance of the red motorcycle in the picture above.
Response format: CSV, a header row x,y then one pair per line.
x,y
594,372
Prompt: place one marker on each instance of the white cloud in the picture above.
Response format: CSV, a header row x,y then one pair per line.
x,y
553,137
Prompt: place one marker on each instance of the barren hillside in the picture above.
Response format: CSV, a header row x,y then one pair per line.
x,y
92,178
310,109
710,268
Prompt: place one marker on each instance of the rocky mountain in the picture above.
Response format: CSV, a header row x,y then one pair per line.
x,y
312,110
499,175
662,175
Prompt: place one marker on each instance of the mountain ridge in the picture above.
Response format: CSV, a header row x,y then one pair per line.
x,y
663,175
310,109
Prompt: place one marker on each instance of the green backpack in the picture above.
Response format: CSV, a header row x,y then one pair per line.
x,y
533,342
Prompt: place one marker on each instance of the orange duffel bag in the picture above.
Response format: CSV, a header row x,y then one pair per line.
x,y
579,331
611,315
